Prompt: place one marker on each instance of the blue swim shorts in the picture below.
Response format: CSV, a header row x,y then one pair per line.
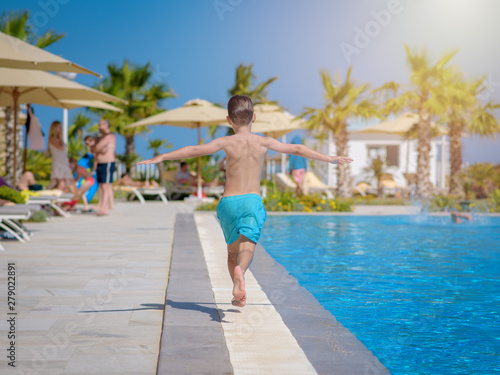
x,y
105,172
241,214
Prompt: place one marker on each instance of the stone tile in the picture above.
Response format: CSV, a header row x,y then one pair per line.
x,y
111,364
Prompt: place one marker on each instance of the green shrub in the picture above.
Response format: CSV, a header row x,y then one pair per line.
x,y
287,201
372,200
208,206
38,217
11,195
494,200
441,202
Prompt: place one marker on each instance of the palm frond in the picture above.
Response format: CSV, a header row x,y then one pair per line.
x,y
48,38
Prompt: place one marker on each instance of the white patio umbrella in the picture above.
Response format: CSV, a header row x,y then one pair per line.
x,y
19,86
193,114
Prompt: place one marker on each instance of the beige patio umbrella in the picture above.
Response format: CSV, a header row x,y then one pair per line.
x,y
19,86
400,126
193,114
14,53
70,104
271,120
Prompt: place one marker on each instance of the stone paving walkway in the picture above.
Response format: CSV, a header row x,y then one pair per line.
x,y
91,294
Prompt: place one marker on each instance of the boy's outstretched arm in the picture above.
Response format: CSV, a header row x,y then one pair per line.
x,y
301,150
188,152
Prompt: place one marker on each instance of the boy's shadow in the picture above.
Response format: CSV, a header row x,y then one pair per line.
x,y
215,314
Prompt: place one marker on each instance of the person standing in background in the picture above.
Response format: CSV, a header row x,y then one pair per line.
x,y
104,154
298,167
61,176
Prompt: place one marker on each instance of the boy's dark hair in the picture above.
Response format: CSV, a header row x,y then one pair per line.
x,y
88,137
240,109
183,163
124,174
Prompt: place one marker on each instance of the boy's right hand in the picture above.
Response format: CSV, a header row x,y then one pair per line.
x,y
155,160
340,159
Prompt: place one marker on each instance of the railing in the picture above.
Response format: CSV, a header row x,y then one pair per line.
x,y
148,171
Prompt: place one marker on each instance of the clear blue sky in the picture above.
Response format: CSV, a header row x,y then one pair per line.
x,y
196,49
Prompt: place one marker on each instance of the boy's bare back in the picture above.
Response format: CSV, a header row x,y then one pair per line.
x,y
245,154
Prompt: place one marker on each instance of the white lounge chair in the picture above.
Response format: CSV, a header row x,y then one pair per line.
x,y
139,192
8,215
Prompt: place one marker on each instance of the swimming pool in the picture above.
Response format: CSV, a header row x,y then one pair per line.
x,y
422,295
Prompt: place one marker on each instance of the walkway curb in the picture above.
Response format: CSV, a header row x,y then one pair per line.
x,y
192,341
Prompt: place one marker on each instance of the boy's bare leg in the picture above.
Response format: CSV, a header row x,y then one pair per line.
x,y
244,258
232,257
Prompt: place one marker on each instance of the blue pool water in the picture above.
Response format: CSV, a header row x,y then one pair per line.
x,y
422,295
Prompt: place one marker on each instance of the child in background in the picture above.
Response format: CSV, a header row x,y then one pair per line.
x,y
88,182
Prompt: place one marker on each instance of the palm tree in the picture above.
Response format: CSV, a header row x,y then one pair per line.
x,y
421,98
80,122
245,84
16,24
156,145
39,164
76,148
343,101
482,176
133,83
463,111
128,160
377,168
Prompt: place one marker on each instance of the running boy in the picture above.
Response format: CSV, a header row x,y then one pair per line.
x,y
240,211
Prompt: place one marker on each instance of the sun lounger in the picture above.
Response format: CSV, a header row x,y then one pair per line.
x,y
214,190
51,201
285,182
174,189
8,217
139,192
313,184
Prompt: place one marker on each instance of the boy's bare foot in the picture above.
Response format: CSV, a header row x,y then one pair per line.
x,y
102,214
239,294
